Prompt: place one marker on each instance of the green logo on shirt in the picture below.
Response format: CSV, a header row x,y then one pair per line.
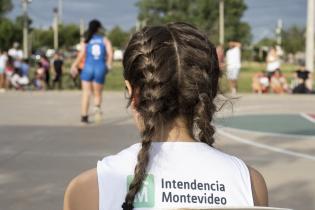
x,y
145,197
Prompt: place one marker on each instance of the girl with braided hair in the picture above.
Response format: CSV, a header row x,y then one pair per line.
x,y
171,73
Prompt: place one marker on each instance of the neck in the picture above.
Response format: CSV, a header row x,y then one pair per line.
x,y
175,132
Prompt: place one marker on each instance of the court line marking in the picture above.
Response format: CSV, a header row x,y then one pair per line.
x,y
307,117
267,133
226,115
264,146
271,106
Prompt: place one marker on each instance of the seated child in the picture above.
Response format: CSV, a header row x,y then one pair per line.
x,y
260,83
278,83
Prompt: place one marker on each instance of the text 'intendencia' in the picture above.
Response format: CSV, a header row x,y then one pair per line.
x,y
197,192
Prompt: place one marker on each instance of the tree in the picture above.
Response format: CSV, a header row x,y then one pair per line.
x,y
118,37
42,38
266,42
69,35
294,39
201,13
9,33
19,21
5,6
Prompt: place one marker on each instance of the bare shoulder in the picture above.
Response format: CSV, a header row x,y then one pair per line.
x,y
82,192
259,187
106,41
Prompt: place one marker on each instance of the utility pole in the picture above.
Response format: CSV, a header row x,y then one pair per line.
x,y
309,54
279,32
221,21
25,26
82,27
138,25
60,10
55,27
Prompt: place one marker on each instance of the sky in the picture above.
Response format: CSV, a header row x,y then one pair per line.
x,y
262,15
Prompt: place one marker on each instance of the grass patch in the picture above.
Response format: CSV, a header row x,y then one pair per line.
x,y
114,78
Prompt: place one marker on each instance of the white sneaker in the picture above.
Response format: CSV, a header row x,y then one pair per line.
x,y
98,115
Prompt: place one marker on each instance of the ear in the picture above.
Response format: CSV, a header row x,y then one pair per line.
x,y
128,85
136,115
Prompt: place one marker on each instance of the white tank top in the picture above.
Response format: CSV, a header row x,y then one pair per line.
x,y
180,175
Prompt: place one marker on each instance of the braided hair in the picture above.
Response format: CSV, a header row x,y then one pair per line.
x,y
174,70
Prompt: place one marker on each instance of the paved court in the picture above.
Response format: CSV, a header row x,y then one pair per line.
x,y
42,145
287,124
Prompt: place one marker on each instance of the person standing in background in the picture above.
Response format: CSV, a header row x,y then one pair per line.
x,y
15,52
3,64
272,62
98,53
75,73
46,65
233,64
220,54
39,81
25,68
58,63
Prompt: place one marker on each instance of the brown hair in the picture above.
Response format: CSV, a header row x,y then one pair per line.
x,y
175,70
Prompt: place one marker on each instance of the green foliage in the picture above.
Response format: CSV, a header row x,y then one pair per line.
x,y
118,37
5,6
115,79
266,42
9,33
69,35
42,38
201,13
235,29
294,39
19,21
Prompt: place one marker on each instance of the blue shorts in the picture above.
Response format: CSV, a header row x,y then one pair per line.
x,y
94,73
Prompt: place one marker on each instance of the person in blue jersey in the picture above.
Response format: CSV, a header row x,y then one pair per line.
x,y
97,52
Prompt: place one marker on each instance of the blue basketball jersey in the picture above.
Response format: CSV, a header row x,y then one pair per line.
x,y
96,51
95,61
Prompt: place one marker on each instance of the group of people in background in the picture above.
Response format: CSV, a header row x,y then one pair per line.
x,y
269,80
90,67
15,71
273,80
42,79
